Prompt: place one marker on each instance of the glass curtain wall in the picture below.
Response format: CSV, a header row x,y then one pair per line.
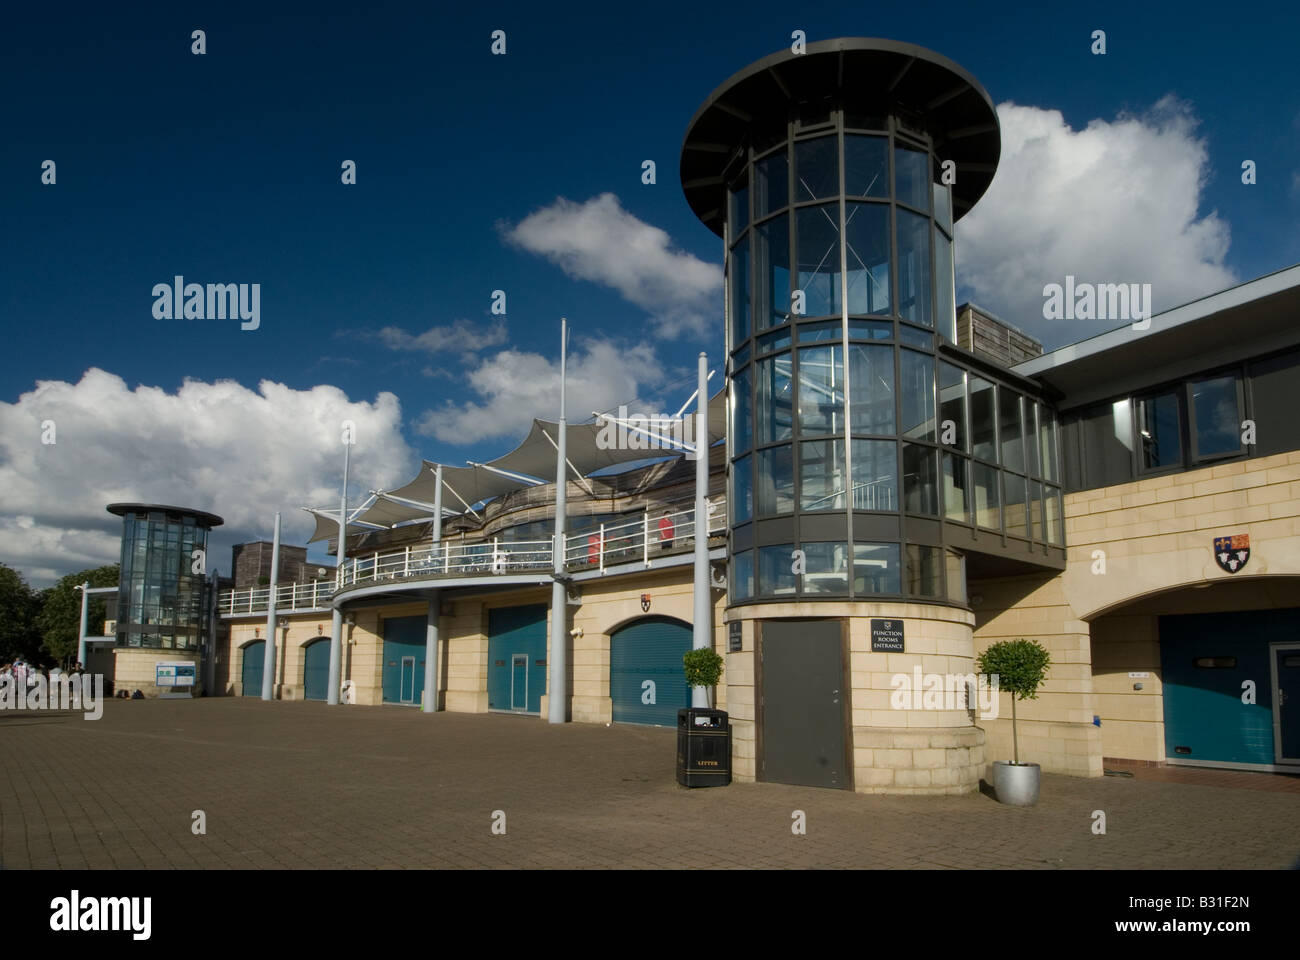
x,y
852,442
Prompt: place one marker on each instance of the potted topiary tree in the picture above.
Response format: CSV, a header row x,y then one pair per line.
x,y
1020,667
703,669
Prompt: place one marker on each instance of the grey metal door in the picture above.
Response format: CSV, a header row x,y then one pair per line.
x,y
803,703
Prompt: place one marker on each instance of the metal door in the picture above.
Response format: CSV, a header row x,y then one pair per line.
x,y
803,700
254,655
647,680
1286,700
316,670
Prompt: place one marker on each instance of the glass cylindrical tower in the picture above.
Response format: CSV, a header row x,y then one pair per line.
x,y
867,454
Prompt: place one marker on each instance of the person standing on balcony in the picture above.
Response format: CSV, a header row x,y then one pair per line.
x,y
665,531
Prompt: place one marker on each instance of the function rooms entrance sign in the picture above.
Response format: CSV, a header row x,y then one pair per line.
x,y
886,636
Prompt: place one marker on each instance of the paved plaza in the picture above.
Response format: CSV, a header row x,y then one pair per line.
x,y
288,785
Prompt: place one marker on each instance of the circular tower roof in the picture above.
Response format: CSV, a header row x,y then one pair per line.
x,y
202,516
866,75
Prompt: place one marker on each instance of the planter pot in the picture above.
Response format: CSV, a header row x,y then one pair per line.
x,y
1016,783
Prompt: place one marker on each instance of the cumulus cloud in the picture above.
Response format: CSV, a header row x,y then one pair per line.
x,y
1115,202
221,447
514,386
601,242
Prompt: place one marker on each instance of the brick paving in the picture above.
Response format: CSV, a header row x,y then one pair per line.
x,y
303,785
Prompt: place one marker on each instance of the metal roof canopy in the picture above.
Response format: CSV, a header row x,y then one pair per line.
x,y
867,75
202,516
1252,318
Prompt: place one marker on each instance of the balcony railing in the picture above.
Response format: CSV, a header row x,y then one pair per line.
x,y
653,534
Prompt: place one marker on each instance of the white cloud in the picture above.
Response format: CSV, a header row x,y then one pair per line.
x,y
514,387
221,447
1115,202
601,242
460,336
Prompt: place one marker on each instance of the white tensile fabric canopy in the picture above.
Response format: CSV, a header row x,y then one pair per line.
x,y
590,447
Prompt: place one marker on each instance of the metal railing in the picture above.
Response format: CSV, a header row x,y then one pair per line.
x,y
642,538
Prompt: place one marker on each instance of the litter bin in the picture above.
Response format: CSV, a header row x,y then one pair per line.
x,y
703,747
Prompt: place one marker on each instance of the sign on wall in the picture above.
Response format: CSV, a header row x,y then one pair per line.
x,y
1231,553
735,640
175,673
886,636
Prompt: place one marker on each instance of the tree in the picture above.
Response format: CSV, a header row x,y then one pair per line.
x,y
1021,667
19,607
60,617
703,669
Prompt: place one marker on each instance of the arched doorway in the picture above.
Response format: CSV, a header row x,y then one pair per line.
x,y
647,682
254,655
316,669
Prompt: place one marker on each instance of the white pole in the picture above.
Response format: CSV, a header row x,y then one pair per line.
x,y
702,635
268,655
557,704
336,638
85,616
431,653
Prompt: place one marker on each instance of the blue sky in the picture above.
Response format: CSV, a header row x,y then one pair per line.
x,y
225,167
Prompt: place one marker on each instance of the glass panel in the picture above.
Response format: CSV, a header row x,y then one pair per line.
x,y
740,357
917,393
772,265
915,292
774,402
819,259
742,413
1034,525
871,330
985,487
770,342
739,209
920,469
816,169
1159,427
1047,443
942,205
740,296
1053,503
876,569
1015,505
1107,436
956,504
866,166
945,300
775,569
742,575
956,564
952,406
771,183
1214,402
827,566
742,490
924,570
775,481
912,178
915,338
1031,437
821,390
867,229
871,387
821,475
1013,449
875,475
826,330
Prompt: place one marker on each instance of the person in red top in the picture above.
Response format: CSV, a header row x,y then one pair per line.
x,y
665,531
